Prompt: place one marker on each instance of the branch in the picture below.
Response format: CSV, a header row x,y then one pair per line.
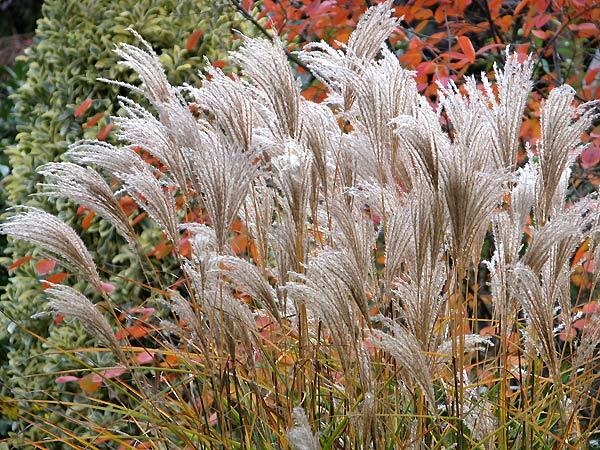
x,y
556,35
246,15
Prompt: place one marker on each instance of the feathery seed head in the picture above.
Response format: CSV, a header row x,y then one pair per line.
x,y
55,238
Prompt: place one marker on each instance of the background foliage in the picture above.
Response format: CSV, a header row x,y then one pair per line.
x,y
60,102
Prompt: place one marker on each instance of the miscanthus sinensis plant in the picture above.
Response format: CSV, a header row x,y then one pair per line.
x,y
309,340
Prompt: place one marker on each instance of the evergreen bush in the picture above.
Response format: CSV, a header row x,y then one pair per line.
x,y
74,42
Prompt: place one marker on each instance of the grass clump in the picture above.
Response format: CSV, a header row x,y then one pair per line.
x,y
284,325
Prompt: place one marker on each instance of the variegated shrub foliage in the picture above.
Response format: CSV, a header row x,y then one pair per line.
x,y
310,340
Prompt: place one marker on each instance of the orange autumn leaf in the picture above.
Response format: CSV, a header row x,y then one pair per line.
x,y
134,331
580,278
218,64
89,384
83,107
591,75
170,361
192,40
55,278
412,58
128,204
94,120
488,331
104,132
161,250
239,243
237,226
87,220
467,48
504,23
343,34
580,253
138,218
19,262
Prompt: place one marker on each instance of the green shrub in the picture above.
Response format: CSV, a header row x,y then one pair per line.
x,y
73,47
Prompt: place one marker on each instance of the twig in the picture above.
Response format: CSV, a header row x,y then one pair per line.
x,y
497,36
237,5
553,39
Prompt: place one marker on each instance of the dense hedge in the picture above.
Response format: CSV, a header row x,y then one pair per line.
x,y
73,47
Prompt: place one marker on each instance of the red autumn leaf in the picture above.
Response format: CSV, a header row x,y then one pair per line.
x,y
467,48
128,204
426,68
45,266
55,278
591,307
590,156
581,323
589,266
522,4
107,288
185,247
192,40
567,335
585,30
82,108
542,34
591,75
19,262
114,372
540,20
94,120
104,132
145,311
66,379
488,47
144,357
488,331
